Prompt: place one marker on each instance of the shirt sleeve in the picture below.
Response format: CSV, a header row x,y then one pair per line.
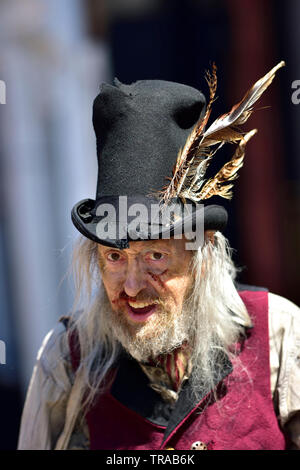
x,y
284,332
44,410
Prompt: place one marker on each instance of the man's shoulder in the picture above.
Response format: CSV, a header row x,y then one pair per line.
x,y
54,348
282,304
280,308
68,319
283,313
54,353
247,287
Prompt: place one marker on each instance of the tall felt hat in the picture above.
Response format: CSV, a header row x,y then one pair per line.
x,y
153,149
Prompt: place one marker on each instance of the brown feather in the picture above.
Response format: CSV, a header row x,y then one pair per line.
x,y
192,141
240,112
201,145
215,186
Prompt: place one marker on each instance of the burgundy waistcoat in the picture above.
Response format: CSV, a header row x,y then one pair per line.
x,y
133,416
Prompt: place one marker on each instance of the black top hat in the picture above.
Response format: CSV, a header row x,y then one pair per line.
x,y
140,129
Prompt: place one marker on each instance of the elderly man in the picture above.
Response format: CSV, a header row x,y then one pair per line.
x,y
167,350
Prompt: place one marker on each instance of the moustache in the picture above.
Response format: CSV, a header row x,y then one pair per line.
x,y
141,297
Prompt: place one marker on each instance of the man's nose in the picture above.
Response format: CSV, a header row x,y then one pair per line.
x,y
135,279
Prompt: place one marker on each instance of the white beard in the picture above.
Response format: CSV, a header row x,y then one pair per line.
x,y
163,332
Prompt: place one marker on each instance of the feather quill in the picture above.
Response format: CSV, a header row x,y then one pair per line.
x,y
193,160
218,186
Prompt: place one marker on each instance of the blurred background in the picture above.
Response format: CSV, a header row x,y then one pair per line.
x,y
54,54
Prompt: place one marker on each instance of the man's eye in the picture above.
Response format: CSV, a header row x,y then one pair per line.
x,y
156,256
113,256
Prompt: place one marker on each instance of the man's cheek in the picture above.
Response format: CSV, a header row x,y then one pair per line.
x,y
112,290
157,280
113,280
177,288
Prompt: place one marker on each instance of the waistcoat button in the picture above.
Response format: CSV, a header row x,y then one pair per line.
x,y
198,445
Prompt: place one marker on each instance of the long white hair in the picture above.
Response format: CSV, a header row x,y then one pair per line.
x,y
217,321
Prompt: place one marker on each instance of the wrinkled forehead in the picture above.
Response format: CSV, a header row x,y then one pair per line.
x,y
174,247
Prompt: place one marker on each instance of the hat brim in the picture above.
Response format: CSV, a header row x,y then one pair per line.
x,y
85,218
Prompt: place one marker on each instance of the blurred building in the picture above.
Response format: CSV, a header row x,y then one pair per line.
x,y
52,70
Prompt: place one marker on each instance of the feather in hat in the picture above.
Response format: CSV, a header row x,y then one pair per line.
x,y
188,181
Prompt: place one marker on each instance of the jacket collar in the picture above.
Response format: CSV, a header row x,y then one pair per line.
x,y
132,388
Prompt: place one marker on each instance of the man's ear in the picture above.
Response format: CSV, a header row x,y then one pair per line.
x,y
209,236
